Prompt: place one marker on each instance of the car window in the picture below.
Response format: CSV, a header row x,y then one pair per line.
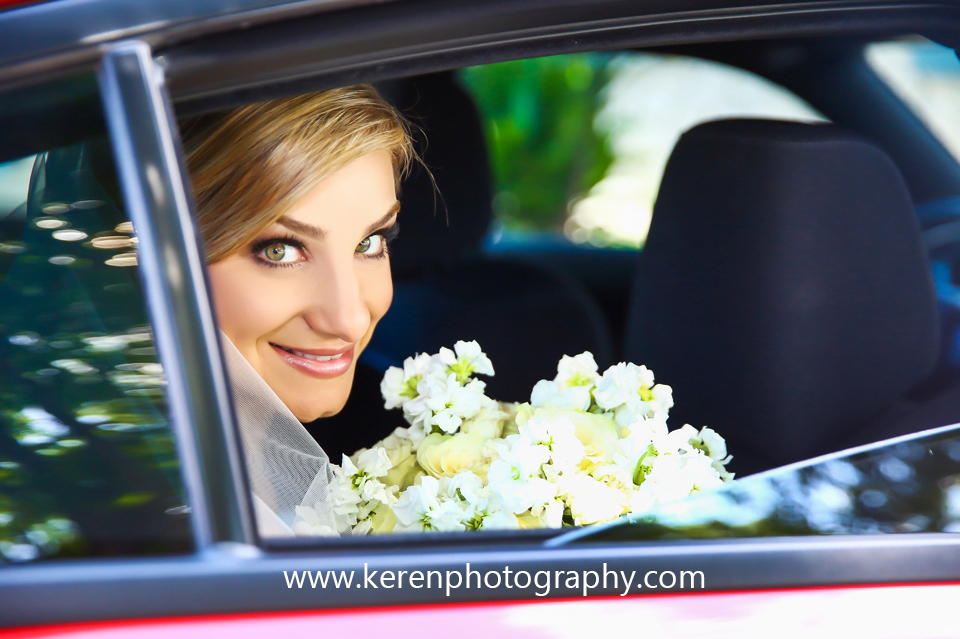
x,y
906,486
87,461
752,315
578,143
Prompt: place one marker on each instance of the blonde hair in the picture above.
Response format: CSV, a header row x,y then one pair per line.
x,y
250,165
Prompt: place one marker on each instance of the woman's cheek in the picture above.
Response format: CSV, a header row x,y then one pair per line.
x,y
245,306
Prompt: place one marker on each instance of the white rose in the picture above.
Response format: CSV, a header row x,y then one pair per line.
x,y
447,455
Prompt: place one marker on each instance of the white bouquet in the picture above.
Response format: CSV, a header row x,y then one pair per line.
x,y
587,448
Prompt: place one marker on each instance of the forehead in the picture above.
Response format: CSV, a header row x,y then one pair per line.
x,y
354,196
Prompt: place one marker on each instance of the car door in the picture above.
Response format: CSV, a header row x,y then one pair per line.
x,y
210,562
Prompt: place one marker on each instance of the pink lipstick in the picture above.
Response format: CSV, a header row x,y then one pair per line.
x,y
322,363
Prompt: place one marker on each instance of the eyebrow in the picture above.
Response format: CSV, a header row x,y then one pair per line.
x,y
318,233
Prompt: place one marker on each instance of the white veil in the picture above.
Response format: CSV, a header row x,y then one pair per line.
x,y
286,466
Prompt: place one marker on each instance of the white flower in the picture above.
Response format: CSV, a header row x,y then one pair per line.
x,y
558,435
488,422
662,398
398,445
417,432
419,365
552,515
587,445
466,485
547,394
363,528
444,403
416,503
499,520
590,500
419,508
720,467
464,360
714,445
514,477
597,433
672,477
681,441
373,490
347,467
580,370
308,522
625,385
344,497
490,514
467,491
374,462
628,452
447,455
393,387
400,385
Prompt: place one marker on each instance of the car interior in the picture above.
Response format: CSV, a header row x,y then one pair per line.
x,y
785,290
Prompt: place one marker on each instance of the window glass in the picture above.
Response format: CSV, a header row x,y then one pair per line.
x,y
756,333
579,142
905,487
87,461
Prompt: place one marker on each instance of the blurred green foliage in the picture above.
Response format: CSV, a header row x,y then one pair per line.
x,y
88,465
538,117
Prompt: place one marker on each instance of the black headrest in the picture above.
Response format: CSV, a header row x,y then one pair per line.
x,y
783,290
438,228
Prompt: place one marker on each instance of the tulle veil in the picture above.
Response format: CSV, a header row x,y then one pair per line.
x,y
286,466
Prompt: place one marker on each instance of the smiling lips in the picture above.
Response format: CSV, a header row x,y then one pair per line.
x,y
322,363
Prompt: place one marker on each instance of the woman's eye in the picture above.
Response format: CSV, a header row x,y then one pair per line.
x,y
281,252
372,245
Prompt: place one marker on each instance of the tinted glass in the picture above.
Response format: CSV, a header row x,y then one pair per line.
x,y
803,292
911,485
87,461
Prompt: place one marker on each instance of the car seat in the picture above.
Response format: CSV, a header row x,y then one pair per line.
x,y
785,294
525,316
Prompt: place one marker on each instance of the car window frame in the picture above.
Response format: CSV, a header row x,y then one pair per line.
x,y
150,172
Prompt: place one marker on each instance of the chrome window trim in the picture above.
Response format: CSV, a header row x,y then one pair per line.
x,y
140,124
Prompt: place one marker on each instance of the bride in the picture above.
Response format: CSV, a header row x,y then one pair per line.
x,y
297,202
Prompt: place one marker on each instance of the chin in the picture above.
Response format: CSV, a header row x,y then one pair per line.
x,y
308,414
326,399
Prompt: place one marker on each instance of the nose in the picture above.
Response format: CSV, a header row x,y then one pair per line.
x,y
336,306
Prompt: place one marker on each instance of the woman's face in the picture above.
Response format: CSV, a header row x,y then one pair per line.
x,y
301,301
